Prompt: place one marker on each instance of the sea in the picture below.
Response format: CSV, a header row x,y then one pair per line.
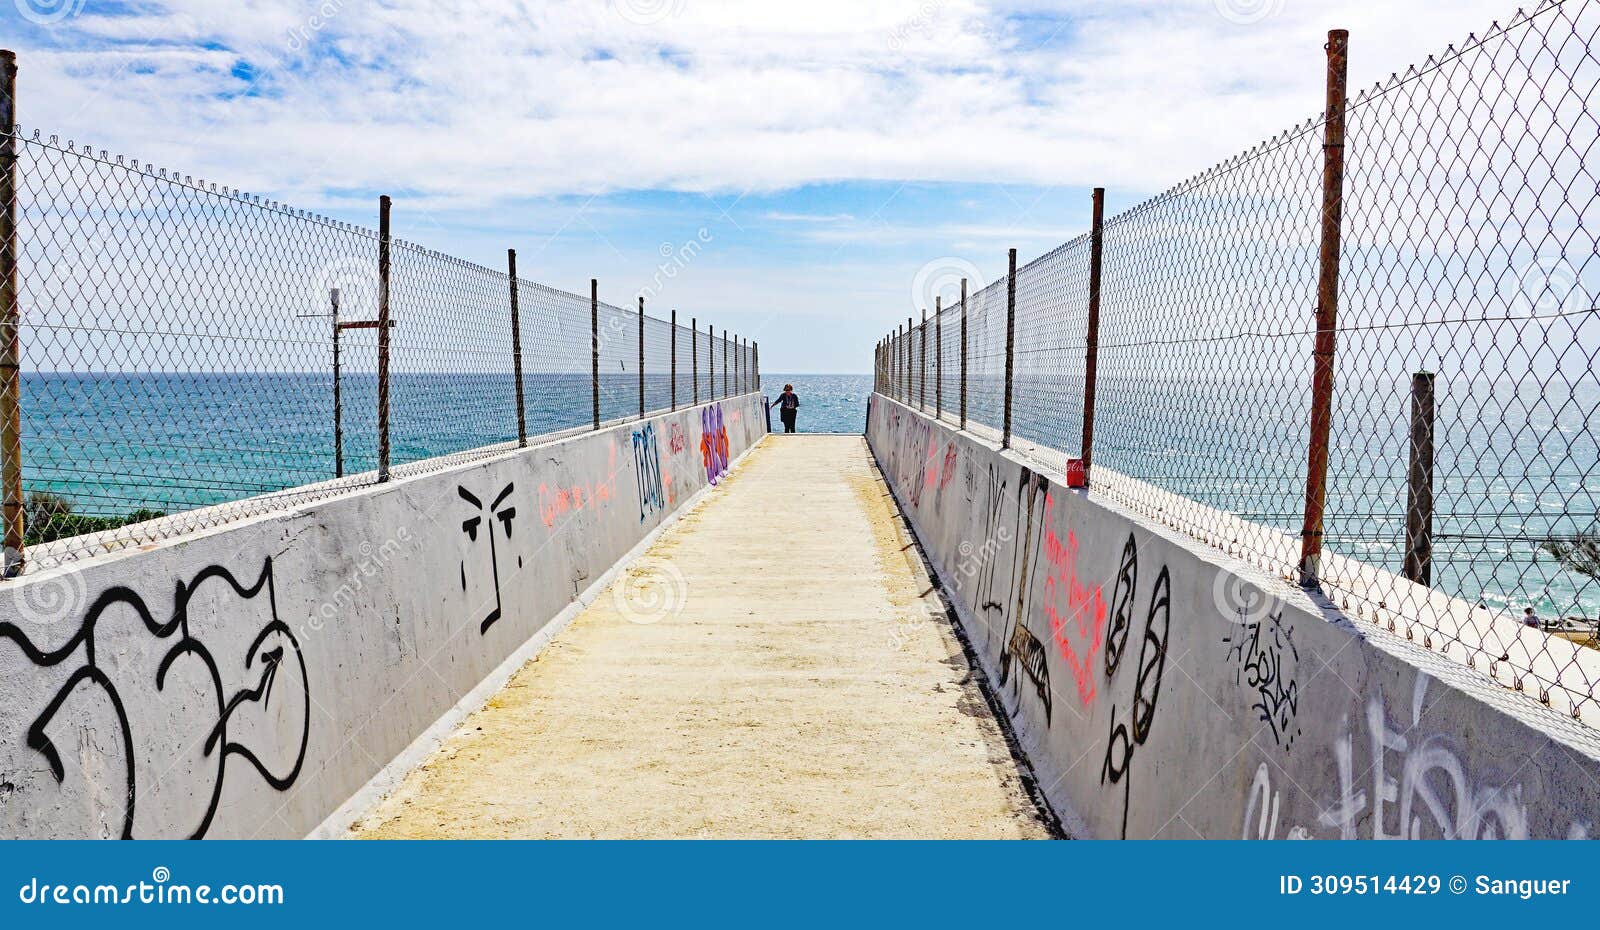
x,y
115,443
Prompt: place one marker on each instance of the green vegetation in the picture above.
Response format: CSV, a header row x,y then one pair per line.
x,y
1579,553
48,517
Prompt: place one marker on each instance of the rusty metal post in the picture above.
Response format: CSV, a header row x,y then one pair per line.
x,y
338,397
516,349
641,357
938,358
1327,311
594,347
674,357
910,369
694,357
1011,346
895,364
1418,564
10,324
963,353
922,364
383,338
1091,352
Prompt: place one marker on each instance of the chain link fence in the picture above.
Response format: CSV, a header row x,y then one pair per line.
x,y
190,354
1457,505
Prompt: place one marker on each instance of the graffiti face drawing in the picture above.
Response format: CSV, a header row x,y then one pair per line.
x,y
473,526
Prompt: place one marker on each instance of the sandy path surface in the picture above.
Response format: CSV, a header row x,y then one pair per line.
x,y
804,686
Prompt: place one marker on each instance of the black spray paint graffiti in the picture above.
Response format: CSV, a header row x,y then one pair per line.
x,y
1028,654
996,491
1128,735
268,656
1022,648
471,525
1265,660
647,469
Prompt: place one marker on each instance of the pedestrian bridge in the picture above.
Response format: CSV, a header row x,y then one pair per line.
x,y
680,626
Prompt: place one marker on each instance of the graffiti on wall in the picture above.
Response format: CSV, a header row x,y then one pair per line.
x,y
1264,660
474,526
1397,779
713,442
675,441
647,472
987,600
272,704
1130,732
560,500
1076,610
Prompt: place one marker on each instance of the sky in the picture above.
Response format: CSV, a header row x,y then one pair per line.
x,y
837,162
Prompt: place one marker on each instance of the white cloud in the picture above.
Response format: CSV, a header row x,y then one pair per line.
x,y
471,104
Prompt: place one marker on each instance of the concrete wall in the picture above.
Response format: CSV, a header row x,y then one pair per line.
x,y
1162,689
249,681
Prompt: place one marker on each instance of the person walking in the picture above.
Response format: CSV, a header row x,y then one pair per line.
x,y
788,404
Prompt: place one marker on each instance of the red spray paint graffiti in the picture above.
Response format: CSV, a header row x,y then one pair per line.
x,y
1079,629
559,501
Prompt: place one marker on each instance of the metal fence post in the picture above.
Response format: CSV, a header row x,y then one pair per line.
x,y
755,362
922,364
338,395
1327,311
694,357
711,362
10,324
725,363
383,338
1091,352
897,348
1419,483
963,353
594,347
910,391
938,358
641,357
674,357
516,349
1011,345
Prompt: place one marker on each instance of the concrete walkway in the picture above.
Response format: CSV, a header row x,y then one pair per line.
x,y
772,667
